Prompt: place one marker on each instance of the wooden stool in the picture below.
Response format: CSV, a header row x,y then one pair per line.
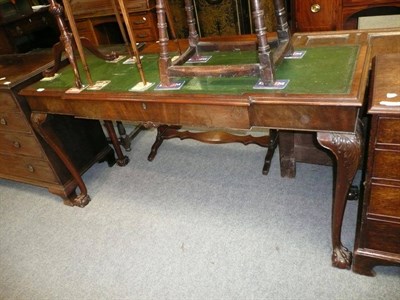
x,y
264,69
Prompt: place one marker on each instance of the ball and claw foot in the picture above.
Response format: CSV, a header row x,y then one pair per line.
x,y
81,200
123,162
341,258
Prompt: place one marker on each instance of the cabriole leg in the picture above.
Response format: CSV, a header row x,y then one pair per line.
x,y
46,132
347,150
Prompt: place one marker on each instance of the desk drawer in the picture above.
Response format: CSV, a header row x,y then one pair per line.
x,y
388,131
25,167
385,200
20,144
14,122
383,236
138,5
7,103
144,35
386,164
141,20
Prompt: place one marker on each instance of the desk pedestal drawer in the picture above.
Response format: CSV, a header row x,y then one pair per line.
x,y
7,103
144,35
385,200
14,122
386,164
388,131
33,169
17,143
143,20
382,236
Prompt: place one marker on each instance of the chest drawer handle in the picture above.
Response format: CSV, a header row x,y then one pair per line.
x,y
31,168
17,144
315,8
3,121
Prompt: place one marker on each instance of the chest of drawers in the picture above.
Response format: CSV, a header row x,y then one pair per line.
x,y
24,157
378,229
320,15
28,31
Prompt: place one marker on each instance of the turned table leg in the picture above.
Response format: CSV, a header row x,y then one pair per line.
x,y
122,160
273,142
347,149
46,132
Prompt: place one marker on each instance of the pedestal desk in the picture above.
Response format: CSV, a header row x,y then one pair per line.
x,y
378,230
324,95
24,156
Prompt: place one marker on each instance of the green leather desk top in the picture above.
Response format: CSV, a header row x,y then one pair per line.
x,y
322,70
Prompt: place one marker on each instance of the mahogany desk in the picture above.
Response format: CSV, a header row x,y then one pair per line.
x,y
324,95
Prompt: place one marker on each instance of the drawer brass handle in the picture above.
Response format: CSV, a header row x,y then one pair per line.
x,y
315,8
138,22
3,121
31,168
17,144
142,35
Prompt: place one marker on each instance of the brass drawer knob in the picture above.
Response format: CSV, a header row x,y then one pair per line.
x,y
315,8
3,121
31,168
17,144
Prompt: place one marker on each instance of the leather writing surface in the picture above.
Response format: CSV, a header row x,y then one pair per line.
x,y
323,70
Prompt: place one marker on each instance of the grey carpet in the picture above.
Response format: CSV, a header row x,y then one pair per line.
x,y
199,222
